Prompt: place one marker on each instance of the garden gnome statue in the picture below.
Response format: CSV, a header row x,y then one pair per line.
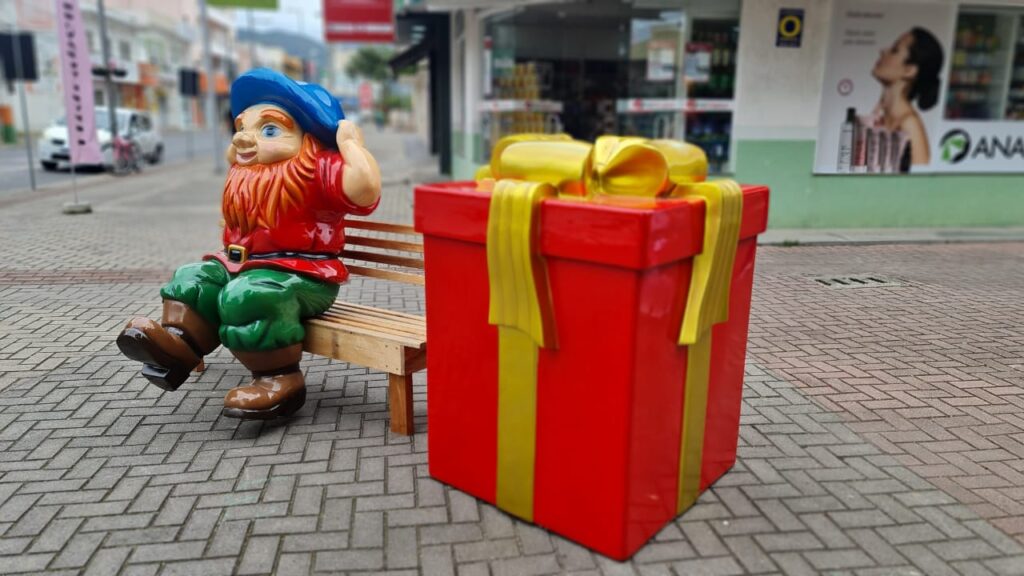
x,y
297,168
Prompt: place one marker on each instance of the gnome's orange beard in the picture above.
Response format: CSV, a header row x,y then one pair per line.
x,y
255,196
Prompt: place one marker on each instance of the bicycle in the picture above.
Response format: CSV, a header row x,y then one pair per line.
x,y
127,156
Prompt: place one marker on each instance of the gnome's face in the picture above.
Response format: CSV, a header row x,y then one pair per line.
x,y
266,134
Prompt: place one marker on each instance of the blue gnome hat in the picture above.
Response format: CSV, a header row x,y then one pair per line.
x,y
312,106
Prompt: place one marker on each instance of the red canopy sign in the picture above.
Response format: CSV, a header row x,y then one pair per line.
x,y
359,21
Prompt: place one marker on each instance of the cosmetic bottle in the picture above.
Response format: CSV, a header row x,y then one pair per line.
x,y
860,147
846,138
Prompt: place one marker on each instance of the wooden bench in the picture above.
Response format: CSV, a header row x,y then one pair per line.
x,y
392,342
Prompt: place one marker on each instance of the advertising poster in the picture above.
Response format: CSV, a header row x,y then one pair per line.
x,y
661,61
884,76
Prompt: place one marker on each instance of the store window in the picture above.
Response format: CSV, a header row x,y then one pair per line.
x,y
126,50
608,67
986,79
987,73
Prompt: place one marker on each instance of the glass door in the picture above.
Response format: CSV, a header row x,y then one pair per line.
x,y
710,87
652,103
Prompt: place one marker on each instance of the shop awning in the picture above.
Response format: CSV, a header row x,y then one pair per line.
x,y
410,57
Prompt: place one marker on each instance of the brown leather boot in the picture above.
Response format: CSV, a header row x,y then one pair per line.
x,y
170,349
277,389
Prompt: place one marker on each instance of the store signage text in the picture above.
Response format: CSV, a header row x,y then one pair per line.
x,y
956,146
979,146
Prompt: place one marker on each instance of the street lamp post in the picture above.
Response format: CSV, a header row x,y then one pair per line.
x,y
211,89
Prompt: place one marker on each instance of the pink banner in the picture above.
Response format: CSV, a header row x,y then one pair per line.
x,y
76,72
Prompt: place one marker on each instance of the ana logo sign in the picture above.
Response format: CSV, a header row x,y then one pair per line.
x,y
955,145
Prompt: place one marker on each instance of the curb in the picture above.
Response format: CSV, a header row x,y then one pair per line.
x,y
24,195
957,236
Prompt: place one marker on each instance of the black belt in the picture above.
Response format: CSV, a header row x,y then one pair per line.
x,y
239,254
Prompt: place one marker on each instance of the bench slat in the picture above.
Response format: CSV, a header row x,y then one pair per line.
x,y
411,320
405,277
384,243
371,322
381,226
317,325
341,304
383,258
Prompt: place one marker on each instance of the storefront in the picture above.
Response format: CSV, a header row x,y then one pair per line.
x,y
791,93
812,120
610,67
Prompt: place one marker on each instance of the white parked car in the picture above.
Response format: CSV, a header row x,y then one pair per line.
x,y
133,124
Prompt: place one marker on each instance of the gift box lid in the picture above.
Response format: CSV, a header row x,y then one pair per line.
x,y
628,232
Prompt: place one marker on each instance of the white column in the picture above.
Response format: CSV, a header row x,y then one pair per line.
x,y
474,75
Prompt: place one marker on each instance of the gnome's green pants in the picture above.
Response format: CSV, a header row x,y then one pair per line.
x,y
255,310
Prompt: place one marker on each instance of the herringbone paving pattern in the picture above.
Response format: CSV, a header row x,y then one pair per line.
x,y
931,372
101,473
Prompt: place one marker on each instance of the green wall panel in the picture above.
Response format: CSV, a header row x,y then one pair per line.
x,y
464,166
800,199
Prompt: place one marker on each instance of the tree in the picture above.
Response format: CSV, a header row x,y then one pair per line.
x,y
370,63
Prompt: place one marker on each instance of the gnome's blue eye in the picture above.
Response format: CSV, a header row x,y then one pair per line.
x,y
270,131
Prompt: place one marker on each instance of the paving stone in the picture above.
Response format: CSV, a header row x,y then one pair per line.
x,y
485,550
350,560
880,429
720,566
295,565
400,549
167,552
526,566
259,556
77,552
228,539
315,542
213,567
56,535
107,561
368,530
437,561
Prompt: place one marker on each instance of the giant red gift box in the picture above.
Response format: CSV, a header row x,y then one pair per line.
x,y
609,398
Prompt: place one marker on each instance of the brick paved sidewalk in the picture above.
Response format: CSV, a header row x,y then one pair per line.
x,y
880,427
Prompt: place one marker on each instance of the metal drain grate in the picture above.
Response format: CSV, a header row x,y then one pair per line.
x,y
858,281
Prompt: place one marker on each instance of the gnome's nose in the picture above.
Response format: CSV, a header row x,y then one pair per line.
x,y
243,140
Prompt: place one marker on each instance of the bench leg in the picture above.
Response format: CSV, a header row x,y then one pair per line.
x,y
400,401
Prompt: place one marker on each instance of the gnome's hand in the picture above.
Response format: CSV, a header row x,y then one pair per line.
x,y
347,130
360,179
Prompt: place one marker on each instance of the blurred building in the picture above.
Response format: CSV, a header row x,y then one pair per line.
x,y
150,42
749,82
255,55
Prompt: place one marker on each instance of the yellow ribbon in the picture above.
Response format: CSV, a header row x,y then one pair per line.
x,y
520,308
707,304
524,170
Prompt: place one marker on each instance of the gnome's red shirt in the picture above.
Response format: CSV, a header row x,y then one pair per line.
x,y
316,228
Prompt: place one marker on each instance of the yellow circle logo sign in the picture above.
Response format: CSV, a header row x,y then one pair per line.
x,y
789,26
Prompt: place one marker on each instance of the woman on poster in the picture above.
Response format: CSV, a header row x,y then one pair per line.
x,y
909,72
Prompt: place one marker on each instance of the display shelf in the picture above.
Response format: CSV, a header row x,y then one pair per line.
x,y
521,106
648,105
